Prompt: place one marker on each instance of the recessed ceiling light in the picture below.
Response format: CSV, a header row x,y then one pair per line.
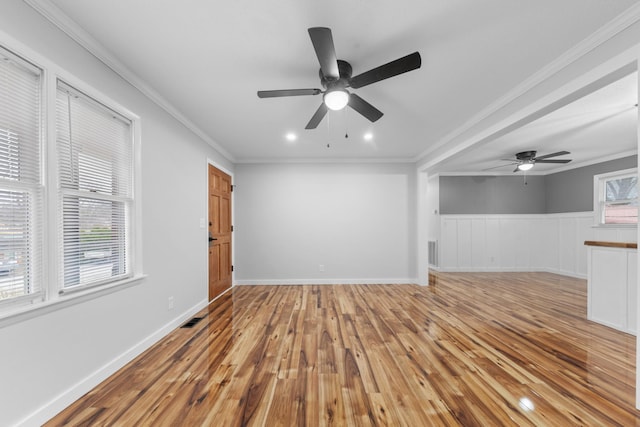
x,y
368,136
291,136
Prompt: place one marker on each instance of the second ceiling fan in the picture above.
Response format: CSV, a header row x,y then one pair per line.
x,y
335,78
527,159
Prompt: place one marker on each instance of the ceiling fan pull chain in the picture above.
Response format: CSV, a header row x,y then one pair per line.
x,y
328,130
346,124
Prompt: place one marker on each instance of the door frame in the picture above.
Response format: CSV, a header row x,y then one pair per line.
x,y
211,162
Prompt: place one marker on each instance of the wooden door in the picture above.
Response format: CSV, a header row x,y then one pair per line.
x,y
219,232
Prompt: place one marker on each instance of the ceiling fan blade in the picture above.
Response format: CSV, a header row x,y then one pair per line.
x,y
390,69
364,108
516,169
552,161
546,156
325,51
317,117
287,92
500,166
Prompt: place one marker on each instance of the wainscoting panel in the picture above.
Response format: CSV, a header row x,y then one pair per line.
x,y
550,240
464,243
540,232
537,242
585,231
449,234
492,254
567,244
478,243
508,241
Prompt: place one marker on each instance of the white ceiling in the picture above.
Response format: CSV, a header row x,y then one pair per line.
x,y
208,59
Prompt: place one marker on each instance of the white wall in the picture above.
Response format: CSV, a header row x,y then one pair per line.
x,y
356,220
49,360
423,193
433,213
541,242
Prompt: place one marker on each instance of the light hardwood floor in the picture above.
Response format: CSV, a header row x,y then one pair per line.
x,y
472,349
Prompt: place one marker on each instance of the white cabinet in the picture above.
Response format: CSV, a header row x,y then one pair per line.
x,y
612,286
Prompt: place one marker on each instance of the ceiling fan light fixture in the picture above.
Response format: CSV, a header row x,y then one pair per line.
x,y
336,99
525,166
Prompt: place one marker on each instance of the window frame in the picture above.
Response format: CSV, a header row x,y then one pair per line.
x,y
599,196
97,197
52,298
35,192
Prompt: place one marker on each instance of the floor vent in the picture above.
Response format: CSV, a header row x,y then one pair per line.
x,y
191,323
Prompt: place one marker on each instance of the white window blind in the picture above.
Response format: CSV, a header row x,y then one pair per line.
x,y
21,190
95,160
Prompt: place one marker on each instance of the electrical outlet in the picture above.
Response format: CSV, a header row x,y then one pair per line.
x,y
203,223
321,267
170,304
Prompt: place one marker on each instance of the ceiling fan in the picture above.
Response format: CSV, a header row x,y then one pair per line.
x,y
526,159
335,77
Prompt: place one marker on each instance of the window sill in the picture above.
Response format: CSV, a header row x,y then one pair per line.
x,y
616,226
39,308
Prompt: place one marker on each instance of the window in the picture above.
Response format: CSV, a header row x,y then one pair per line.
x,y
67,205
21,190
94,147
616,197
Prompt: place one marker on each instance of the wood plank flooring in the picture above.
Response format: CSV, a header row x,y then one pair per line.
x,y
472,349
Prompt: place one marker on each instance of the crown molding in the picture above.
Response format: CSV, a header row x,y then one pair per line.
x,y
325,160
612,28
58,18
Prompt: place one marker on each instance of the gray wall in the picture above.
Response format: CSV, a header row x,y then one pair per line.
x,y
492,194
570,191
356,220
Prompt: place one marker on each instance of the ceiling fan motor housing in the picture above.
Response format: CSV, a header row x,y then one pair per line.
x,y
526,155
345,70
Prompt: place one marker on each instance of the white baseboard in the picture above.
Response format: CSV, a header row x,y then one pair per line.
x,y
66,398
613,326
566,273
510,270
488,270
402,281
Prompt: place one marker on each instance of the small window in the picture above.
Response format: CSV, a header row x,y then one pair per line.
x,y
616,197
95,154
21,190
